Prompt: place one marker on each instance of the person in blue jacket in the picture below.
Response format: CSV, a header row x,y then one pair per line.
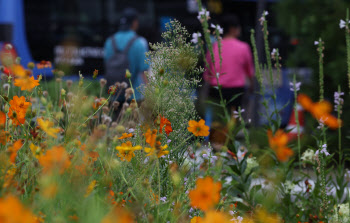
x,y
129,24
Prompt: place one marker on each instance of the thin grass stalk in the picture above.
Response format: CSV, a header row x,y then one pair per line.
x,y
347,39
320,50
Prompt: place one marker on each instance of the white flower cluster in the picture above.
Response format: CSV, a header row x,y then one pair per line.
x,y
251,163
308,156
288,186
237,219
341,213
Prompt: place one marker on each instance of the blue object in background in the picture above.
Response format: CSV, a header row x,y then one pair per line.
x,y
284,102
163,21
12,15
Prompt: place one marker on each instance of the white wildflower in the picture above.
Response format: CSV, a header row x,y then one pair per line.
x,y
342,24
202,13
288,187
338,100
323,150
236,113
295,87
218,28
196,37
316,43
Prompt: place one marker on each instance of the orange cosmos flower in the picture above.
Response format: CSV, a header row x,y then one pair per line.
x,y
18,70
198,128
216,216
47,126
206,194
196,219
125,135
4,135
18,109
278,143
14,149
118,215
12,211
165,122
26,83
156,148
55,158
320,110
126,151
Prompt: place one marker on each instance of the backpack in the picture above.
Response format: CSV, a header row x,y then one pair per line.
x,y
116,66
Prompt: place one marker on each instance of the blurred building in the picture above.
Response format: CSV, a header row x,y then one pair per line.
x,y
85,24
71,33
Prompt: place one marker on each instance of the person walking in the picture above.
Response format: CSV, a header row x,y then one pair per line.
x,y
237,65
126,50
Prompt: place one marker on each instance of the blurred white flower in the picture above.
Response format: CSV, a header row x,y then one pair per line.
x,y
316,43
203,12
323,150
342,24
217,27
295,87
196,37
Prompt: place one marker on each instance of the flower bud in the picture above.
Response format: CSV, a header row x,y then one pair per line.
x,y
127,74
31,65
94,74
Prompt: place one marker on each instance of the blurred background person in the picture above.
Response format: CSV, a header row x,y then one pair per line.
x,y
237,65
126,41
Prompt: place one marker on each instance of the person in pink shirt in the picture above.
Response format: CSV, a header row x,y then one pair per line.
x,y
237,65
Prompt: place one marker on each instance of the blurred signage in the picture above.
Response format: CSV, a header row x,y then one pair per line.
x,y
76,56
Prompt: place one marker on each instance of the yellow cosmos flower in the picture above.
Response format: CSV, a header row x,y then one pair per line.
x,y
46,126
36,150
90,188
126,151
159,150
